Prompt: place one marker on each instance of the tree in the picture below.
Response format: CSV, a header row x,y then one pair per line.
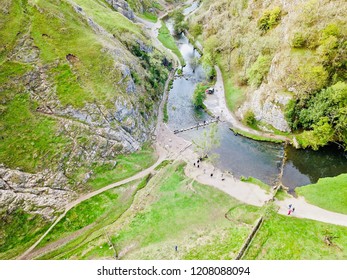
x,y
194,62
269,19
259,70
210,50
179,23
323,114
199,95
195,30
321,134
208,142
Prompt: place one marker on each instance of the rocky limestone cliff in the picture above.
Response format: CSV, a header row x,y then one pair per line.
x,y
122,7
233,29
98,104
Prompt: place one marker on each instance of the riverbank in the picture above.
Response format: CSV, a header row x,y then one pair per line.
x,y
216,103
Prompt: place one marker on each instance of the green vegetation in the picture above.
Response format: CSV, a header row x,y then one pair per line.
x,y
166,115
179,23
163,164
18,231
298,40
233,94
319,109
168,41
29,141
199,95
323,114
289,238
11,70
249,119
11,21
197,213
143,6
187,210
269,19
328,193
282,194
95,211
257,182
149,16
259,70
68,89
246,46
115,23
195,30
254,136
126,166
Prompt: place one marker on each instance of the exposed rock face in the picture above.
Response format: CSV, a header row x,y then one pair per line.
x,y
293,43
267,104
122,7
41,193
269,100
96,132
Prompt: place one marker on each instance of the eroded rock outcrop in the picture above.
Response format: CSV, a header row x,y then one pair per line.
x,y
94,130
122,7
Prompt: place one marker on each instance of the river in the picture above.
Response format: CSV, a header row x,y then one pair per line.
x,y
242,156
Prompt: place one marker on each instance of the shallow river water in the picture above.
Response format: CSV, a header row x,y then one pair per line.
x,y
239,155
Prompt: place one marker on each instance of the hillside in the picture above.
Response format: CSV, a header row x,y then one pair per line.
x,y
80,83
284,63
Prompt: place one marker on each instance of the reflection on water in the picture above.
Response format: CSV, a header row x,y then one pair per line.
x,y
240,155
306,166
244,157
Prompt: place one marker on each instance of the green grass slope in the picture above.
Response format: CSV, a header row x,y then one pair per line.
x,y
327,193
289,238
170,210
54,55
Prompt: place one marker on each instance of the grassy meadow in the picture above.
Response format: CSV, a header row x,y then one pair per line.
x,y
327,193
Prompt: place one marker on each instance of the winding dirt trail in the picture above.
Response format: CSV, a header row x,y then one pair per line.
x,y
162,155
170,146
217,105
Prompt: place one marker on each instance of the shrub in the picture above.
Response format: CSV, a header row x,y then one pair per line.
x,y
179,23
199,95
259,70
330,30
298,40
195,30
249,118
321,134
269,19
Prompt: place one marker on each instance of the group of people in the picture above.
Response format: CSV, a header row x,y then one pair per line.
x,y
291,209
197,163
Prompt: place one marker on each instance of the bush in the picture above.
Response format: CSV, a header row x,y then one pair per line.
x,y
269,19
249,118
179,23
195,30
321,135
298,40
259,70
199,95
